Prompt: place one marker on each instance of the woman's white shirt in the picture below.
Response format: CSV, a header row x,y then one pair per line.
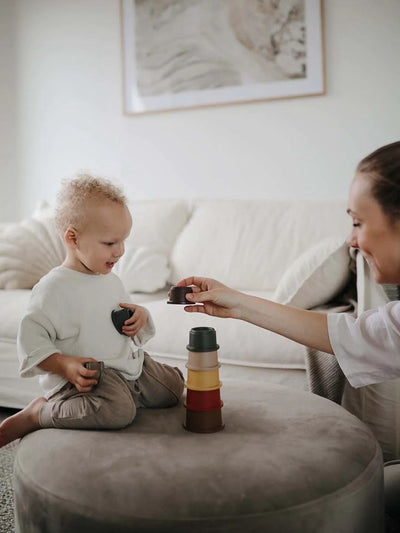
x,y
367,348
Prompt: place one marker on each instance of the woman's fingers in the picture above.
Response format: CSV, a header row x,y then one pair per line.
x,y
199,297
186,282
204,284
194,308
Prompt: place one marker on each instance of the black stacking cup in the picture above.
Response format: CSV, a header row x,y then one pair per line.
x,y
202,339
177,295
118,317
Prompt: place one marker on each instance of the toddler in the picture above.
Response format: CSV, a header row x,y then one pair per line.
x,y
68,323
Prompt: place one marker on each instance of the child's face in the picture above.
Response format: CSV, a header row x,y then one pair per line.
x,y
100,244
374,233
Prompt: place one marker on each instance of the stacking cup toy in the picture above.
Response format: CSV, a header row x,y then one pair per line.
x,y
202,360
203,398
202,340
204,421
203,380
177,295
118,317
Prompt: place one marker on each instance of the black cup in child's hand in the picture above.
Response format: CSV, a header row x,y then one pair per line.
x,y
118,317
99,366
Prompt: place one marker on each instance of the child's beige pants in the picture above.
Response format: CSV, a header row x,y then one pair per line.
x,y
112,403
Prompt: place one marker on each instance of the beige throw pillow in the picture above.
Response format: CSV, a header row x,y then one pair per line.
x,y
28,250
316,276
142,269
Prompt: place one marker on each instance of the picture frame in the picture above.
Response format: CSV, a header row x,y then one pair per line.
x,y
190,53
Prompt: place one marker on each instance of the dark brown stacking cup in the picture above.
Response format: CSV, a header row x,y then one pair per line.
x,y
177,295
203,421
203,401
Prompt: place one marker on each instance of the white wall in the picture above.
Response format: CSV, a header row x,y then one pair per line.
x,y
70,115
8,109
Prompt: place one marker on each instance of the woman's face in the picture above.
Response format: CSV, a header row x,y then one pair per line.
x,y
373,233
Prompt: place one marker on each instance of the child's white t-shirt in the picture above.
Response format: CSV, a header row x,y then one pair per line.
x,y
368,347
70,313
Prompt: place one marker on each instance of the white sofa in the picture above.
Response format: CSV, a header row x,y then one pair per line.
x,y
293,252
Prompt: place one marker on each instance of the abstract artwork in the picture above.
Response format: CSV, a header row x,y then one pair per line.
x,y
189,53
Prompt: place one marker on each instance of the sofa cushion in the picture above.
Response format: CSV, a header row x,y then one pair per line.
x,y
155,226
12,306
156,223
316,276
248,244
142,269
28,250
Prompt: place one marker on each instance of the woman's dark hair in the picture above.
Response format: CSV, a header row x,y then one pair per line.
x,y
383,166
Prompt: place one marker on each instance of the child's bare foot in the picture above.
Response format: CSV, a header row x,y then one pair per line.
x,y
23,422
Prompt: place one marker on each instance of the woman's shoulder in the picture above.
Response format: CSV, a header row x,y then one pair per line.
x,y
393,308
385,316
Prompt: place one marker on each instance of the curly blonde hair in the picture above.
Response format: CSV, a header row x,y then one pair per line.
x,y
75,194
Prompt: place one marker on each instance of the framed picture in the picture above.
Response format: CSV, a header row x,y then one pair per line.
x,y
189,53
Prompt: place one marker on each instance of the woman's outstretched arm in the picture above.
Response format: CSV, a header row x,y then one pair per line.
x,y
306,327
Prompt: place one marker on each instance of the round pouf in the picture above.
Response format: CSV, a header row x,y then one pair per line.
x,y
287,461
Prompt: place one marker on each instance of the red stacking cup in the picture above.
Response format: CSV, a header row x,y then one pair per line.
x,y
203,400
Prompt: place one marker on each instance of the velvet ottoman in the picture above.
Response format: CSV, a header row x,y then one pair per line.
x,y
287,461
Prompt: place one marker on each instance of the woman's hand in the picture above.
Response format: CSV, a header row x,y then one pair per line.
x,y
132,326
215,298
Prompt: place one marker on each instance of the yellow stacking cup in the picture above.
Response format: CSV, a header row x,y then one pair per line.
x,y
203,379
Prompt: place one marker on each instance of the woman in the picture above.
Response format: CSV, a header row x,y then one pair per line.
x,y
367,348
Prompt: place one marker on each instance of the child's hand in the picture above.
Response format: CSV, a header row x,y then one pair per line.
x,y
139,318
77,374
